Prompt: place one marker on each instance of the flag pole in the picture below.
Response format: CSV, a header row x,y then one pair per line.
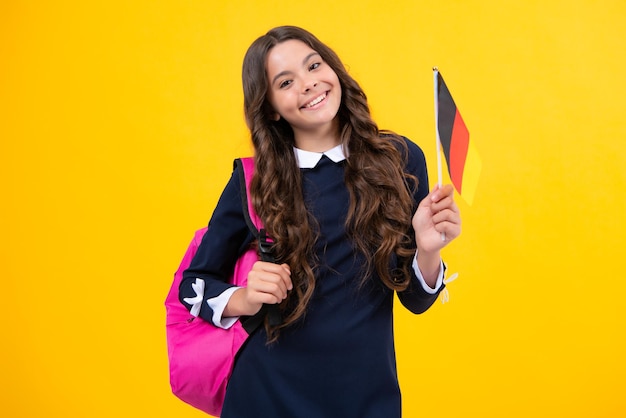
x,y
436,90
439,164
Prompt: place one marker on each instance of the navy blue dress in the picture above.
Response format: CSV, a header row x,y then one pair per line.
x,y
339,360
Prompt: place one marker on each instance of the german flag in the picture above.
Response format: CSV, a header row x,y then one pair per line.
x,y
463,161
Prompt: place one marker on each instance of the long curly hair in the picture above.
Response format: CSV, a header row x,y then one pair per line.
x,y
381,203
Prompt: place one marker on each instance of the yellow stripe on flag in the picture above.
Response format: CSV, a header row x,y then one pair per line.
x,y
471,173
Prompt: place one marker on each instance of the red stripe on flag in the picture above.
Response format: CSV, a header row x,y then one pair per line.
x,y
459,144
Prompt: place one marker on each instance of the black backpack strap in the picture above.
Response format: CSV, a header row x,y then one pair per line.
x,y
265,250
250,324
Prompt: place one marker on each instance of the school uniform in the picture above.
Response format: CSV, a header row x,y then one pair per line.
x,y
339,359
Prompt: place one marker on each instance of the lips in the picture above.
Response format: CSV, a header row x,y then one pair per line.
x,y
316,101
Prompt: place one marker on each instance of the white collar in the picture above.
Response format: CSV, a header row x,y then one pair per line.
x,y
309,159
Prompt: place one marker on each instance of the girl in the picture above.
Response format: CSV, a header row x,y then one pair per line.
x,y
352,222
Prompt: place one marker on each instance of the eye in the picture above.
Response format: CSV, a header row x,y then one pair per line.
x,y
314,66
284,84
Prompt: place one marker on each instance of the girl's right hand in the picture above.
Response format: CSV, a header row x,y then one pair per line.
x,y
267,283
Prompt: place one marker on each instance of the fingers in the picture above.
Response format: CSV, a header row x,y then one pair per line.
x,y
438,213
448,223
445,213
441,192
268,283
438,198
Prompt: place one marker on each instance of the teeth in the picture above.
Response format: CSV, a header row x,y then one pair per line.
x,y
316,101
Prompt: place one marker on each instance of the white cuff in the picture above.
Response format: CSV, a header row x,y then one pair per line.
x,y
196,301
218,304
425,286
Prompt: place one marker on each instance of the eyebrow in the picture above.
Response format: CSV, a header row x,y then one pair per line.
x,y
304,61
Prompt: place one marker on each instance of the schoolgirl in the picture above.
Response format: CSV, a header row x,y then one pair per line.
x,y
352,221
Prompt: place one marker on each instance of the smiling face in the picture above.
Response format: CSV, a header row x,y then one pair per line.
x,y
305,91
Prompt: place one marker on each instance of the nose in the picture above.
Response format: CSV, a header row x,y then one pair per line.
x,y
310,84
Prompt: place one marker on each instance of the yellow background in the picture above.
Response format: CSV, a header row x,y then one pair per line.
x,y
119,121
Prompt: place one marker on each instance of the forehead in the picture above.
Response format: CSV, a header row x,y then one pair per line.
x,y
287,56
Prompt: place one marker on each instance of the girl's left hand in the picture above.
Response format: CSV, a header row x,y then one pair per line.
x,y
437,214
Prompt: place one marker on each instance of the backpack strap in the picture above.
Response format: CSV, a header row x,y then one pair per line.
x,y
246,167
246,172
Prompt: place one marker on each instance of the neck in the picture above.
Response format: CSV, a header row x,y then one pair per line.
x,y
318,140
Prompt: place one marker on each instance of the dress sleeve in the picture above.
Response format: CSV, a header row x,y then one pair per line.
x,y
416,298
226,238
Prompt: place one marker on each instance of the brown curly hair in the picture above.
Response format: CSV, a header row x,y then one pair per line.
x,y
381,203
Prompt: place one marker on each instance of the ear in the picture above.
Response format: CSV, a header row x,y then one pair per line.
x,y
275,116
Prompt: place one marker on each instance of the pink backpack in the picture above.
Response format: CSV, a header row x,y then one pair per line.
x,y
201,355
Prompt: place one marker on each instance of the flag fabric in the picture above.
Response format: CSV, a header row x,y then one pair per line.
x,y
463,161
